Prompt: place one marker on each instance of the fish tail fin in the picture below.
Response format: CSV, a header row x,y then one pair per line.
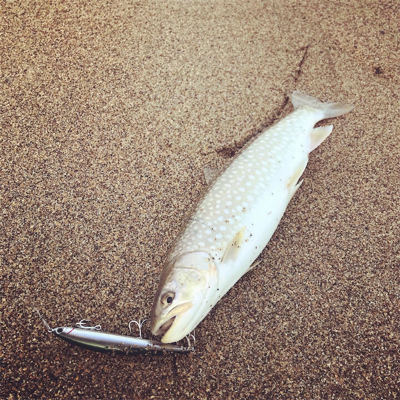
x,y
330,110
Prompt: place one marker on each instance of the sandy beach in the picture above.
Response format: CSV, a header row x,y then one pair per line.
x,y
109,113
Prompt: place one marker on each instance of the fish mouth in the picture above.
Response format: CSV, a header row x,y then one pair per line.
x,y
164,327
173,314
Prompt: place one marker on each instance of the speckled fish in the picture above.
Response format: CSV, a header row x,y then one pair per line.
x,y
237,217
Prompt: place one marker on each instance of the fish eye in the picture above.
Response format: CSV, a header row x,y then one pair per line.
x,y
168,298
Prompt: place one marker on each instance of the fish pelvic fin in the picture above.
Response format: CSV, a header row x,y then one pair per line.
x,y
330,110
296,175
234,246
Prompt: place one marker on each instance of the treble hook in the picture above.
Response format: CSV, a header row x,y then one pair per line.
x,y
45,323
83,325
188,339
139,324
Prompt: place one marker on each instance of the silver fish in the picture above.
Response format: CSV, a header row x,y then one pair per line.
x,y
237,217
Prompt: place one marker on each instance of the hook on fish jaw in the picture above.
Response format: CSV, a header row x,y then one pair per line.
x,y
191,335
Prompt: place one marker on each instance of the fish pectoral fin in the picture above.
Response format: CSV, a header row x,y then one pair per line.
x,y
292,182
210,174
234,247
318,135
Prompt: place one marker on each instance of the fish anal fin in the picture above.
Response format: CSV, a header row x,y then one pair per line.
x,y
255,263
292,182
293,190
318,135
234,246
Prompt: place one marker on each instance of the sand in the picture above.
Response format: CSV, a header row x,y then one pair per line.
x,y
111,111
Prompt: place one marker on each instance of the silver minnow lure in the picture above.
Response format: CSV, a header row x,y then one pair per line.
x,y
93,339
237,217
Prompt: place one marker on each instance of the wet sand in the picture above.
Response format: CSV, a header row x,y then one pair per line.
x,y
111,111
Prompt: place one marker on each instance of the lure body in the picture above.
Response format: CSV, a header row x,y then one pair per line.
x,y
237,217
91,337
110,342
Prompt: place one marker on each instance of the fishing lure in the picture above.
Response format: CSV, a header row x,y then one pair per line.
x,y
91,337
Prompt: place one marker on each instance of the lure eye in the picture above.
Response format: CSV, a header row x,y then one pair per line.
x,y
168,298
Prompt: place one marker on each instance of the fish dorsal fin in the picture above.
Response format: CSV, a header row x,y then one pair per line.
x,y
234,247
210,174
297,174
318,135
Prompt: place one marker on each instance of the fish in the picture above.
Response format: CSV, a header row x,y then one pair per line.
x,y
236,218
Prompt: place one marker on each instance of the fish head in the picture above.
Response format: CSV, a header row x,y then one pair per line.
x,y
188,285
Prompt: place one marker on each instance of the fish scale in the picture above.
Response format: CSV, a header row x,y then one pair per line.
x,y
237,217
